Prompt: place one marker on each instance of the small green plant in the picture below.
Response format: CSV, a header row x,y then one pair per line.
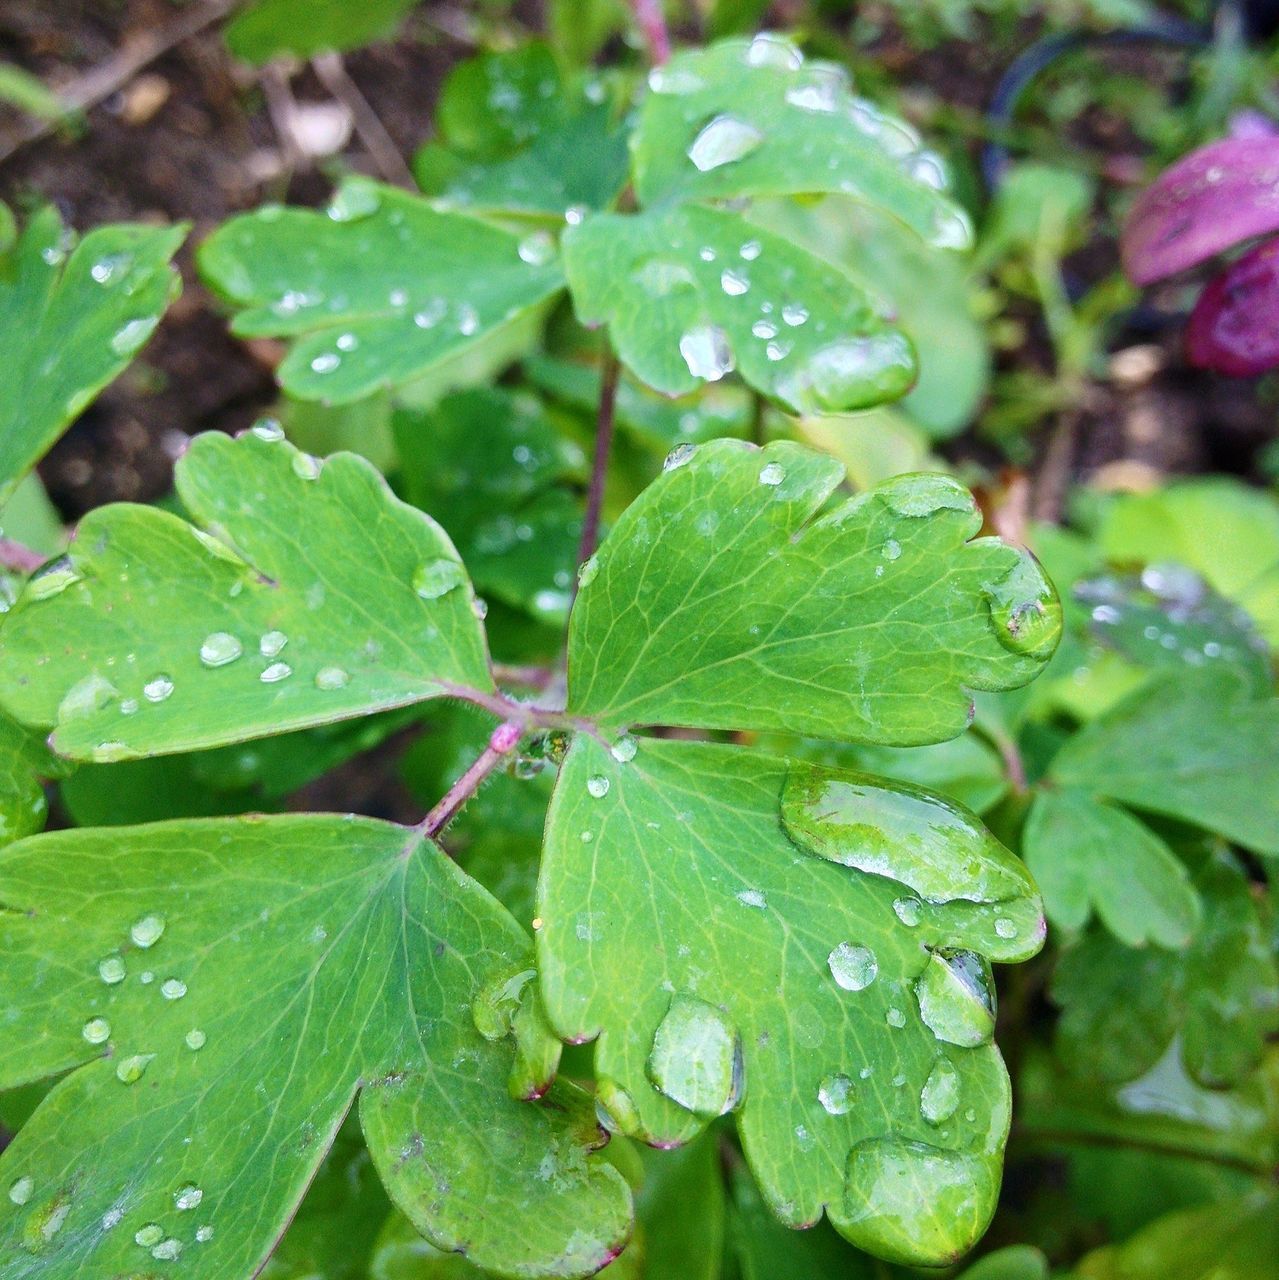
x,y
707,739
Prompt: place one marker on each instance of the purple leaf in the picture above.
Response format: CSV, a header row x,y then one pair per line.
x,y
1213,198
1234,327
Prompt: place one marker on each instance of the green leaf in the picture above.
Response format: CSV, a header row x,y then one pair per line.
x,y
517,137
1216,1000
842,1008
220,992
1016,1262
681,1211
75,317
1087,855
19,88
689,294
750,118
1237,1240
378,292
24,760
304,593
718,601
1190,745
269,28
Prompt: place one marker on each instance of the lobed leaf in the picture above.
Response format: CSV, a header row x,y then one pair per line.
x,y
24,760
304,593
719,601
267,29
74,317
378,291
724,962
690,294
1089,856
751,118
219,993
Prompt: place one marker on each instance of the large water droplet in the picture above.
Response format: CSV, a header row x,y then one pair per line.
x,y
835,1093
597,784
855,371
130,1070
147,931
157,689
219,649
187,1197
677,457
173,988
327,362
722,141
52,579
770,50
331,678
1024,611
852,967
437,578
149,1235
956,998
272,643
706,352
733,283
772,473
907,911
939,1098
96,1031
20,1190
624,749
695,1059
276,672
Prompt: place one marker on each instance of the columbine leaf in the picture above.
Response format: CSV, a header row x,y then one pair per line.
x,y
304,593
220,992
844,1008
1210,200
515,137
719,601
269,28
750,118
378,292
1217,999
1087,855
24,759
73,318
1192,746
689,294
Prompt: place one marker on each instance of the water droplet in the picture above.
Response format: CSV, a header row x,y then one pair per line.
x,y
852,967
269,430
769,50
347,342
537,249
112,750
776,351
305,466
157,689
468,320
326,363
764,329
354,200
272,643
146,977
146,932
331,678
20,1191
750,250
219,649
597,784
677,457
47,1222
733,283
111,970
195,1039
96,1030
895,1018
674,80
130,1070
706,352
695,1059
112,1218
480,608
495,1005
852,371
752,898
173,988
772,473
1024,612
204,1234
822,95
722,141
437,578
1005,928
794,314
939,1098
891,549
276,672
108,270
187,1197
624,749
590,567
907,911
130,336
956,998
149,1235
431,314
167,1250
835,1093
51,579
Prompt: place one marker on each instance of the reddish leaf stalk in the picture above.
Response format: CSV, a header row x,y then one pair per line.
x,y
504,739
20,559
599,468
652,22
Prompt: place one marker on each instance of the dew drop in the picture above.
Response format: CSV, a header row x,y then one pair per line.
x,y
326,363
891,549
468,320
706,352
167,1250
431,314
173,988
939,1098
907,911
149,1235
51,580
1005,928
157,689
733,283
537,249
20,1191
219,649
956,998
204,1234
131,1070
822,96
624,749
146,932
269,430
853,967
112,750
305,466
130,336
276,672
347,342
724,140
768,50
331,678
764,329
895,1018
437,578
695,1059
751,898
195,1039
597,784
187,1197
750,250
776,351
586,574
677,457
111,970
835,1093
96,1030
772,473
794,314
272,643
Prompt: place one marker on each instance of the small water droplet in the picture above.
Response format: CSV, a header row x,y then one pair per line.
x,y
436,578
272,643
204,1234
195,1039
537,249
219,649
750,250
276,672
108,270
149,1235
895,1018
326,363
111,970
20,1191
891,549
96,1030
331,678
269,430
820,96
157,689
147,931
733,283
776,351
907,911
130,1070
146,977
752,898
431,314
706,352
674,80
724,140
772,473
939,1098
130,336
347,342
852,967
597,784
764,329
835,1093
1005,928
677,457
187,1197
624,749
769,50
167,1250
468,320
795,314
173,988
305,466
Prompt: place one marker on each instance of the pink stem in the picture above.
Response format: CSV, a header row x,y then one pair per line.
x,y
652,22
504,739
13,555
